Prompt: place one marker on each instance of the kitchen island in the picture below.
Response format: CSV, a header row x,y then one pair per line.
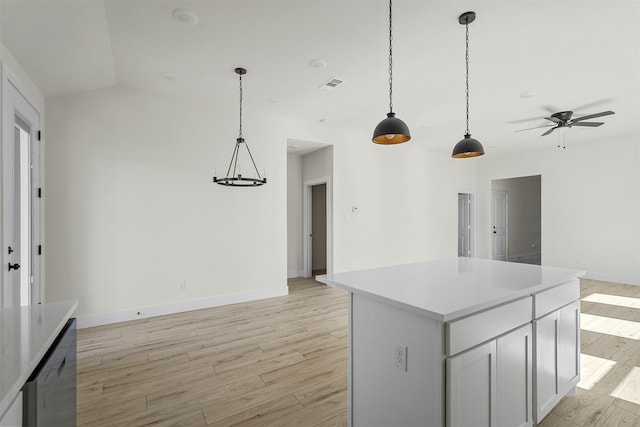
x,y
26,335
460,342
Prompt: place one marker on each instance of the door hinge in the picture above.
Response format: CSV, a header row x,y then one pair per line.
x,y
39,249
39,135
39,192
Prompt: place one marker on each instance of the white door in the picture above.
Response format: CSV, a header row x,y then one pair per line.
x,y
471,395
21,207
514,370
464,224
499,227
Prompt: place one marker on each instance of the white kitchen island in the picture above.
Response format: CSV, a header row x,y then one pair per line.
x,y
460,342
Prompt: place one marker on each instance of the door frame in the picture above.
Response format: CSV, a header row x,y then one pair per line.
x,y
306,225
472,220
15,94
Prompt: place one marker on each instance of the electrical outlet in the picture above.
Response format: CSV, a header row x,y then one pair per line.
x,y
400,356
183,285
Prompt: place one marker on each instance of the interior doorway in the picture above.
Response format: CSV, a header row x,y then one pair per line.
x,y
21,207
517,219
466,224
317,227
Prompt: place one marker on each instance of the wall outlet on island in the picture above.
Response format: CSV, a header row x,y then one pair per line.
x,y
400,356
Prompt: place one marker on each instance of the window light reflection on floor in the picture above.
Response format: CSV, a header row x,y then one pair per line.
x,y
613,300
629,388
592,370
610,326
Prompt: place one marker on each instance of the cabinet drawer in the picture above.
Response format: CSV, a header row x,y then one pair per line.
x,y
478,328
554,298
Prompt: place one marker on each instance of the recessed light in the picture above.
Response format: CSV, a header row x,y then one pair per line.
x,y
273,100
185,16
527,94
170,76
318,63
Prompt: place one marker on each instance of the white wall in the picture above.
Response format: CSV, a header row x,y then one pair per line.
x,y
407,200
317,164
590,204
294,216
132,211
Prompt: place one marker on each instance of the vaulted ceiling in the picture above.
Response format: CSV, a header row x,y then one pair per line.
x,y
527,59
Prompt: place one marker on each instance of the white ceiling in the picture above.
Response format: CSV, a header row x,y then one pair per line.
x,y
571,53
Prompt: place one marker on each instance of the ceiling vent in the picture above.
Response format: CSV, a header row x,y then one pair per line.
x,y
331,84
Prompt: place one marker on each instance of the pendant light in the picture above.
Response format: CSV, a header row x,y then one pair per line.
x,y
391,130
467,147
234,177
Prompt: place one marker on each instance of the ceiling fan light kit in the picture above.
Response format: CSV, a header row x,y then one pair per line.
x,y
234,176
391,130
467,147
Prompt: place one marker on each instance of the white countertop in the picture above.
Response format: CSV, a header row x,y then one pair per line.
x,y
447,289
26,333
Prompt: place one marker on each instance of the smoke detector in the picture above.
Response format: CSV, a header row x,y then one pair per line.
x,y
185,16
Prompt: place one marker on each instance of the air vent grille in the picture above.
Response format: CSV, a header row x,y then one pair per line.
x,y
332,83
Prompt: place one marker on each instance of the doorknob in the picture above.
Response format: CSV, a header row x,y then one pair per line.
x,y
495,232
15,266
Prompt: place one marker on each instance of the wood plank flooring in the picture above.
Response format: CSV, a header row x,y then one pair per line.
x,y
283,362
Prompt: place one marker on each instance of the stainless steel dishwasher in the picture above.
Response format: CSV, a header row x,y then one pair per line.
x,y
50,393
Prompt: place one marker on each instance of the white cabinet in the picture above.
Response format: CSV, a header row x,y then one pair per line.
x,y
490,385
514,373
471,389
557,369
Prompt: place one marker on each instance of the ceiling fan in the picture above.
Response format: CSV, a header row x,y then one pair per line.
x,y
563,119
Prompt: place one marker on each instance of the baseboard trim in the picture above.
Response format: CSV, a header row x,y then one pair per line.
x,y
134,313
611,278
292,274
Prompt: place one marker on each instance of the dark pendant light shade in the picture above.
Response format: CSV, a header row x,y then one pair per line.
x,y
391,130
467,147
234,176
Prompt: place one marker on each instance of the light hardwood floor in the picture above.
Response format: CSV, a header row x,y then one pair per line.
x,y
283,361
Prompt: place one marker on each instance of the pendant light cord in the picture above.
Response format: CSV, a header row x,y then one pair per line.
x,y
390,59
466,58
240,131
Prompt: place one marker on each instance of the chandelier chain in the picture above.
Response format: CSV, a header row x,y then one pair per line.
x,y
466,58
390,59
240,131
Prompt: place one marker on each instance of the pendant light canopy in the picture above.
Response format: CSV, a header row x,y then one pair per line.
x,y
234,177
391,130
467,147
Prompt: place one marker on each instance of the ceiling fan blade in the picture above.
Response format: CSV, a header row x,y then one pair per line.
x,y
593,116
549,131
537,127
553,119
588,124
593,104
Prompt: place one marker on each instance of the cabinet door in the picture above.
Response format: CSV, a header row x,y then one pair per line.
x,y
546,368
557,349
471,388
514,370
568,347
